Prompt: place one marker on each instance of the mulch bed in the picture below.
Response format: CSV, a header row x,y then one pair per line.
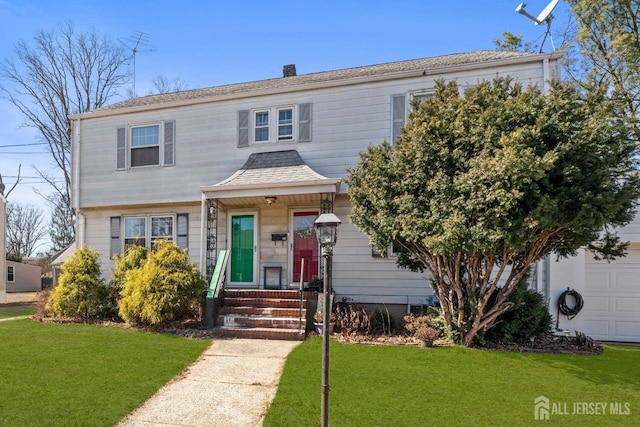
x,y
579,344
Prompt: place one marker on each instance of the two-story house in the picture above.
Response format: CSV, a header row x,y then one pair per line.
x,y
248,167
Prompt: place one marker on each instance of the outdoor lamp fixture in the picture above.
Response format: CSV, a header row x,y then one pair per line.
x,y
270,200
327,229
327,233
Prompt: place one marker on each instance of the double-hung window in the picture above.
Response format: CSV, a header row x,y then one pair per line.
x,y
161,228
421,96
145,145
149,144
135,231
261,126
11,273
273,125
285,124
145,230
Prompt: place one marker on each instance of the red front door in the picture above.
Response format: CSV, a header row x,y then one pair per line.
x,y
305,246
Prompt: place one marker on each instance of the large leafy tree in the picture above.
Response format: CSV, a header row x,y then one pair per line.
x,y
479,187
604,51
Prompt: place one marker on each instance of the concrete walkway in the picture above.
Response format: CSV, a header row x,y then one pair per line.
x,y
232,384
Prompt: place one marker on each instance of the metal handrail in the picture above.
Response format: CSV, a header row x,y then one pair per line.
x,y
301,292
215,287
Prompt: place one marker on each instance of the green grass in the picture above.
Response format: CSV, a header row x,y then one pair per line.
x,y
452,386
6,312
83,375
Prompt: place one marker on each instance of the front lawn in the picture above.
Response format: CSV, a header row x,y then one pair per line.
x,y
6,312
83,375
449,386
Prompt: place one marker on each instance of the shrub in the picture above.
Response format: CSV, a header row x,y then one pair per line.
x,y
529,319
165,288
420,327
133,258
80,291
352,319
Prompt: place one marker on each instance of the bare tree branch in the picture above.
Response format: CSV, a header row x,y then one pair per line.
x,y
63,72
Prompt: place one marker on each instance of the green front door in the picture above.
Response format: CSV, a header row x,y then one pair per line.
x,y
243,250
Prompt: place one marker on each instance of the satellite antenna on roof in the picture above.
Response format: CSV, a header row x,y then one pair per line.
x,y
544,16
138,39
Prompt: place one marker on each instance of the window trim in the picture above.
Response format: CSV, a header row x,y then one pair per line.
x,y
11,272
165,145
158,145
273,126
148,223
281,125
424,94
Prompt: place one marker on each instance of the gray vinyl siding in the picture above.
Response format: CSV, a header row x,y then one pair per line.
x,y
98,231
374,280
344,122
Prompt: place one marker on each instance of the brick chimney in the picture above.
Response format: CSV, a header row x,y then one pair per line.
x,y
289,70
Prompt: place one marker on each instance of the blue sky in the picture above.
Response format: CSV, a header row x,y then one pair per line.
x,y
210,43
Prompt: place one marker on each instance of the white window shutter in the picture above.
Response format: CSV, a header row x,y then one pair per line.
x,y
115,235
399,108
121,148
304,122
169,137
243,128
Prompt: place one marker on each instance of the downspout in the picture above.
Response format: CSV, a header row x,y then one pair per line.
x,y
546,76
75,183
203,236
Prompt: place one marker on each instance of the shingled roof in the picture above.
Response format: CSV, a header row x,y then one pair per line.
x,y
273,173
425,65
273,168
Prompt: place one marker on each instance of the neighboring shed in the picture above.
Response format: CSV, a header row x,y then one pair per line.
x,y
60,258
23,277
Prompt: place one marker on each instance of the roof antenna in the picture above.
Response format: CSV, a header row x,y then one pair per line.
x,y
544,16
138,39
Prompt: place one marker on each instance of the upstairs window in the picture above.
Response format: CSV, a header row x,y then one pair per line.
x,y
145,146
262,126
285,124
275,124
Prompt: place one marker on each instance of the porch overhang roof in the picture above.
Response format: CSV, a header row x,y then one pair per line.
x,y
278,173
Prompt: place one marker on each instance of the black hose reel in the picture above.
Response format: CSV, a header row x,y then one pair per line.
x,y
564,308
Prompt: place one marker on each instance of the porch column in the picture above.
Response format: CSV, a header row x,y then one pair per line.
x,y
211,237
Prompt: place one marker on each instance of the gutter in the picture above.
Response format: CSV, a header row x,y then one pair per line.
x,y
318,85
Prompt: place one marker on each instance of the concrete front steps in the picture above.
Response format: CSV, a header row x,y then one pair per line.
x,y
265,314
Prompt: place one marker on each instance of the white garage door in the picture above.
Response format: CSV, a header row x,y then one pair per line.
x,y
612,298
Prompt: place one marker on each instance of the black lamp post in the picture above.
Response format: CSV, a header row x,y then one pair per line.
x,y
327,232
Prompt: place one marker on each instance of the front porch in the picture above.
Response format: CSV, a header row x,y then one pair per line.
x,y
262,218
263,215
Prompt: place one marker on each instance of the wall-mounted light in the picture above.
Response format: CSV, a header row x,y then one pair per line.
x,y
270,200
